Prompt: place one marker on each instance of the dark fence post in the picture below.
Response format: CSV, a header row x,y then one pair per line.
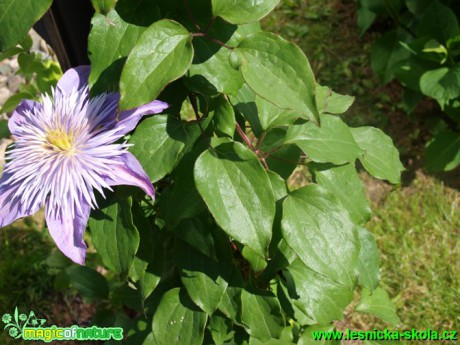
x,y
65,27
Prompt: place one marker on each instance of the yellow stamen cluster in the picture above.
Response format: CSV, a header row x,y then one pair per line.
x,y
61,140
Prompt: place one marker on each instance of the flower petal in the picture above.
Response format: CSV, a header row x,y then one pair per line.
x,y
128,119
11,208
67,233
18,117
74,78
130,172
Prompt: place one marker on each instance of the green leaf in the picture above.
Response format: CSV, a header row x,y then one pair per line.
x,y
307,336
257,263
110,41
88,282
292,311
330,102
224,117
410,99
261,313
201,277
145,281
47,76
442,84
195,231
230,305
29,64
270,115
428,49
183,321
158,141
278,185
183,200
16,19
331,142
418,7
162,54
286,338
4,130
283,158
283,256
242,11
381,8
148,264
238,193
380,158
343,181
221,329
115,236
58,260
318,297
317,227
103,6
386,54
244,103
439,22
365,19
26,43
379,304
443,152
10,52
411,70
369,260
278,71
211,71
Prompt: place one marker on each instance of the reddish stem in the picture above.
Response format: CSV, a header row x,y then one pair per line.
x,y
244,137
190,14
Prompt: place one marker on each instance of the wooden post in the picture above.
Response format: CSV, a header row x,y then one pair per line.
x,y
65,27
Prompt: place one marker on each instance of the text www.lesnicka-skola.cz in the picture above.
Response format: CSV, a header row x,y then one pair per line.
x,y
386,334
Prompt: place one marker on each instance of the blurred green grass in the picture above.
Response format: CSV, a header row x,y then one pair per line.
x,y
417,229
25,280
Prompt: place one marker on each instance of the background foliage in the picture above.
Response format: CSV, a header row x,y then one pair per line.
x,y
422,52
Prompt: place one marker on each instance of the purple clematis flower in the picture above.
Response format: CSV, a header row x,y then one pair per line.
x,y
65,148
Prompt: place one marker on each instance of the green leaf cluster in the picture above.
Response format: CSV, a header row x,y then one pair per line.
x,y
40,73
228,252
422,52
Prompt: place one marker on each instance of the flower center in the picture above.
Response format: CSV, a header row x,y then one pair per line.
x,y
60,139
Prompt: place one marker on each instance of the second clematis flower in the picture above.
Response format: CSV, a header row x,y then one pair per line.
x,y
65,148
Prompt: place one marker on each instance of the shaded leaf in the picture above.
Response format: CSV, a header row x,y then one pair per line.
x,y
88,282
115,236
442,153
